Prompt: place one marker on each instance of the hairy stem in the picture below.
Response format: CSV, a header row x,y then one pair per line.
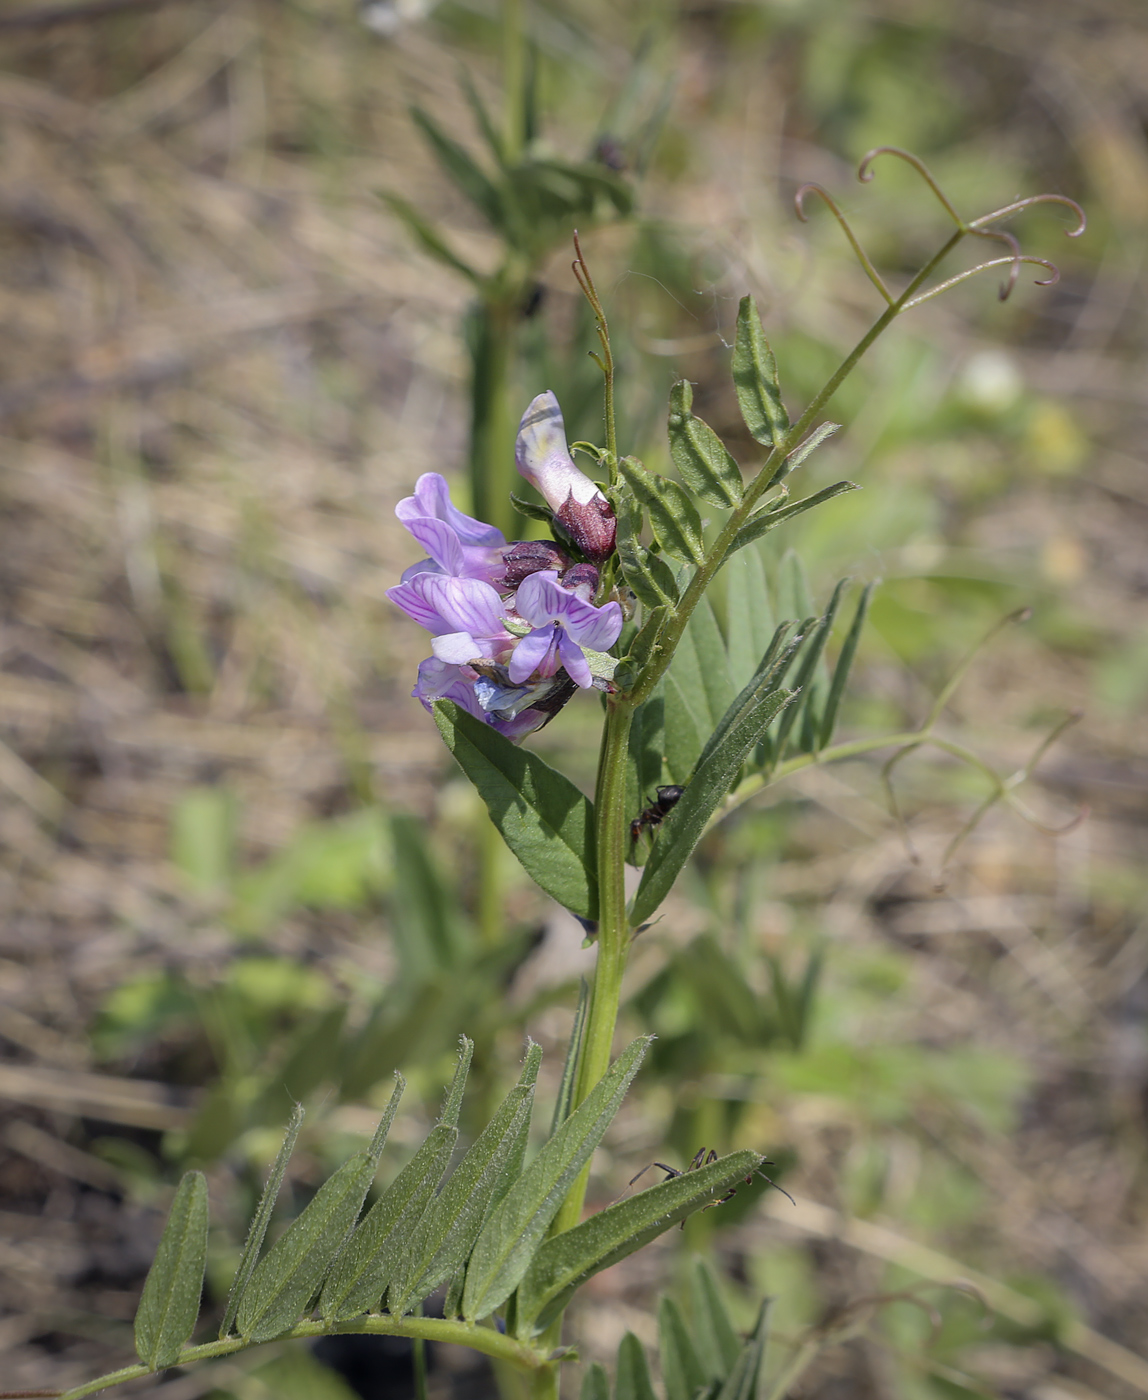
x,y
434,1329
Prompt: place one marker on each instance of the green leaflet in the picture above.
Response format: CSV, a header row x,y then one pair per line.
x,y
565,1095
844,666
470,178
685,727
740,728
806,680
429,237
514,1230
544,819
445,1234
650,578
169,1305
749,616
699,454
632,1373
370,1258
531,510
261,1219
755,379
565,1262
674,518
595,1383
714,1334
745,1375
646,748
682,1372
766,520
287,1278
698,691
820,434
362,1271
645,644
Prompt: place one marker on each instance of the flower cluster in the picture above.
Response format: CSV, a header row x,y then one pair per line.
x,y
514,626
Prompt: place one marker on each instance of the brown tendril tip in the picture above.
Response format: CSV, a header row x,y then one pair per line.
x,y
1014,271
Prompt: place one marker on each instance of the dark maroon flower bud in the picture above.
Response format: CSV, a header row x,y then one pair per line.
x,y
581,579
525,557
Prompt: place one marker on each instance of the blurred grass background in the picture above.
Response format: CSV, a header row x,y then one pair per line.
x,y
237,866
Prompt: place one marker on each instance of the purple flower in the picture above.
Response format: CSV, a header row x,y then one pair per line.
x,y
463,615
563,623
544,460
457,544
438,680
463,547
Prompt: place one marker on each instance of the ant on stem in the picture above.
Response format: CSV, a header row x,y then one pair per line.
x,y
666,799
702,1158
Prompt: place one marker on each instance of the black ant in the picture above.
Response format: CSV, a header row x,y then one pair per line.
x,y
667,798
702,1158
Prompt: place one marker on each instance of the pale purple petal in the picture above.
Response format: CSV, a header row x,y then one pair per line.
x,y
438,681
542,599
439,541
443,604
518,728
410,597
533,652
459,648
598,628
543,458
432,498
424,566
539,598
570,654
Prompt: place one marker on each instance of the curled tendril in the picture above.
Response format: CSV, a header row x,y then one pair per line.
x,y
978,227
864,174
862,257
1036,199
1049,281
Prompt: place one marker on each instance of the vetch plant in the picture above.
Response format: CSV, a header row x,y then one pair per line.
x,y
617,601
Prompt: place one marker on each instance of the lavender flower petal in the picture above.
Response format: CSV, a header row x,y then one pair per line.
x,y
537,652
432,498
444,604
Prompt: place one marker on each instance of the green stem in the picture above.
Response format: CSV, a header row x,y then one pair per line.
x,y
613,925
492,472
613,946
513,83
484,1339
